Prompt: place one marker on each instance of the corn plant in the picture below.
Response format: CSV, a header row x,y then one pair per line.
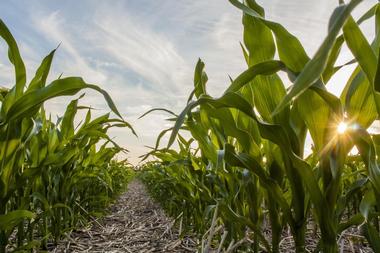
x,y
52,175
259,127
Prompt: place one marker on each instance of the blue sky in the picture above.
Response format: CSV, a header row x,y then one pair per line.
x,y
143,52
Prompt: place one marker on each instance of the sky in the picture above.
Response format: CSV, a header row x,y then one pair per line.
x,y
143,52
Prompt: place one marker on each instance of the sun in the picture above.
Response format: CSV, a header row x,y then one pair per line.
x,y
342,127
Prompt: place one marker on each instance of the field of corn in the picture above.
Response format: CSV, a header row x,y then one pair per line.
x,y
241,176
54,175
236,172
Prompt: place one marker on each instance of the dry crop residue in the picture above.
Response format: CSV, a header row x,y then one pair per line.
x,y
135,224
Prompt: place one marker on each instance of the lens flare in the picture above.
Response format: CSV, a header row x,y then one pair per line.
x,y
342,127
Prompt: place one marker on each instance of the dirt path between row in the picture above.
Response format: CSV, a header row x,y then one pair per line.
x,y
135,224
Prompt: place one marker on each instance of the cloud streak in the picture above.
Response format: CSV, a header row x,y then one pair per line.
x,y
52,27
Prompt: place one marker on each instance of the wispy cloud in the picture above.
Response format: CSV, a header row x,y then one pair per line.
x,y
53,28
139,48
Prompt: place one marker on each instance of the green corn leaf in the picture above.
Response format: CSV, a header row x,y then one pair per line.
x,y
200,79
364,143
67,123
30,102
39,79
360,48
264,68
359,99
372,236
107,97
15,58
367,203
289,48
10,220
314,68
245,161
158,109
